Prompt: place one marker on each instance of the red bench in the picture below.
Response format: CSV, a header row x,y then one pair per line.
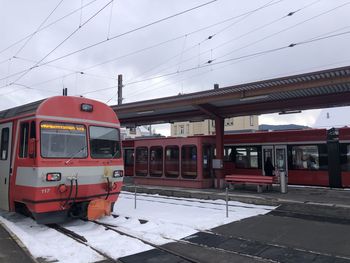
x,y
258,180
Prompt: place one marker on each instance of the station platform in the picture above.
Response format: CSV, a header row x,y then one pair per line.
x,y
313,204
321,196
11,248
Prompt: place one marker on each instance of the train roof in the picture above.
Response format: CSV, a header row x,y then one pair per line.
x,y
20,110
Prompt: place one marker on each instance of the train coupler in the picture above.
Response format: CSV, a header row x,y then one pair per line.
x,y
98,208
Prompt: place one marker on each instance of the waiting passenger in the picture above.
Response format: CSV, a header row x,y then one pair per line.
x,y
268,167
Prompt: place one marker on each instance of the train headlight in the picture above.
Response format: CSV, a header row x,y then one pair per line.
x,y
53,177
118,173
86,107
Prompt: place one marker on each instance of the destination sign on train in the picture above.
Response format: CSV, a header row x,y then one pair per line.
x,y
62,127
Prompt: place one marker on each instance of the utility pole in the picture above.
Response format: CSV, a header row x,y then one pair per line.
x,y
120,89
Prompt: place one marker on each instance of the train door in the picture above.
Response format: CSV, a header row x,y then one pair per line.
x,y
281,164
5,163
267,152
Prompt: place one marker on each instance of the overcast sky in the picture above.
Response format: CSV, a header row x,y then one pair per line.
x,y
168,57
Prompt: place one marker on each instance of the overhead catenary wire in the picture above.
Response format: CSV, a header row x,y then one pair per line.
x,y
47,26
150,47
243,35
264,52
37,30
38,64
62,42
285,29
210,37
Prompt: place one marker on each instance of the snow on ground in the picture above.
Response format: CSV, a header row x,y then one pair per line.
x,y
47,243
168,219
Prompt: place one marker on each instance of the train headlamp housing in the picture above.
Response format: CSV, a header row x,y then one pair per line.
x,y
118,173
51,177
86,107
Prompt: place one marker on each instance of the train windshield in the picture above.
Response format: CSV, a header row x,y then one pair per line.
x,y
104,142
63,140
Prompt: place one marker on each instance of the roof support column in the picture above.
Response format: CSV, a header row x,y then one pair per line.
x,y
219,137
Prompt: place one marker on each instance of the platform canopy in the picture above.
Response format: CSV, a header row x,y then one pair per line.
x,y
321,89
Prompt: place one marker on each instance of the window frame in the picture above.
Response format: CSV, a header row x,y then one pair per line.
x,y
4,143
71,123
151,172
166,170
120,143
182,169
136,161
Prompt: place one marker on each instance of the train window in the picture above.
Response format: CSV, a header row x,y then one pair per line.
x,y
345,157
104,142
129,157
63,140
32,130
172,161
5,136
156,161
207,160
23,146
247,157
189,161
141,161
229,154
305,157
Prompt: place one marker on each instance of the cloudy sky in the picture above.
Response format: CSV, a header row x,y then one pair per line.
x,y
83,45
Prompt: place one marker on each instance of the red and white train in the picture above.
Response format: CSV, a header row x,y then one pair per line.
x,y
314,157
59,158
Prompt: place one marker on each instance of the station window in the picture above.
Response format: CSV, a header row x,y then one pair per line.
x,y
247,157
141,161
189,161
251,120
305,157
156,161
182,129
5,136
172,161
23,146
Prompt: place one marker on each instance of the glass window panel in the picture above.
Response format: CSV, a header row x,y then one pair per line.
x,y
104,142
141,161
189,161
156,161
305,157
172,161
63,140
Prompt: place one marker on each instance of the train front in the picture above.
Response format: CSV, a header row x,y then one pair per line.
x,y
78,168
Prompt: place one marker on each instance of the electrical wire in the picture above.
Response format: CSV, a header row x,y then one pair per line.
x,y
61,43
47,26
152,46
24,72
37,30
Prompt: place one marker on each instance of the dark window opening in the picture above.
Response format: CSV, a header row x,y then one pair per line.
x,y
129,157
5,137
156,161
141,161
247,157
189,161
172,162
24,134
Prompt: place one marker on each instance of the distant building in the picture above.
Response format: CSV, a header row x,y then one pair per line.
x,y
207,127
139,131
